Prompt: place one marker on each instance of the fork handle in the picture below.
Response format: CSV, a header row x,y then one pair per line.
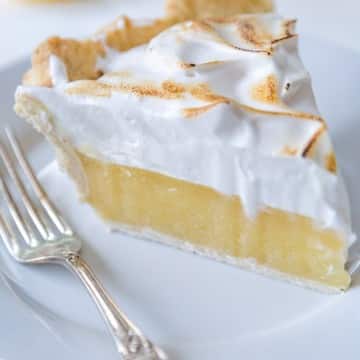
x,y
130,342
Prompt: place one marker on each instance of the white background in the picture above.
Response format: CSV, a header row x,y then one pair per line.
x,y
24,26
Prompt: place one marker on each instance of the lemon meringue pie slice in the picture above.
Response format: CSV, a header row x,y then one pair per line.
x,y
207,138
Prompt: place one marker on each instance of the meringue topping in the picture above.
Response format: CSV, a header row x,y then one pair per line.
x,y
249,62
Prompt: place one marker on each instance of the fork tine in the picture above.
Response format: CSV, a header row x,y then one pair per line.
x,y
35,217
50,209
8,237
21,224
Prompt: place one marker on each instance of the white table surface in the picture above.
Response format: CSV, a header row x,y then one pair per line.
x,y
22,27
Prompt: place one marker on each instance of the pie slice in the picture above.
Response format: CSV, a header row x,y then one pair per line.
x,y
204,136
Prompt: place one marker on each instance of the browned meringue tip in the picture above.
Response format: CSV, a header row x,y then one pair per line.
x,y
311,144
266,91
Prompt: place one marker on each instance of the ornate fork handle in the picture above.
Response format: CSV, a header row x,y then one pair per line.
x,y
45,245
130,342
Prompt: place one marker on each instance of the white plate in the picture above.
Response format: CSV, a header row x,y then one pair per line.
x,y
195,308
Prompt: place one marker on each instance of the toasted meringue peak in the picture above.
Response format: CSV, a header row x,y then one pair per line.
x,y
267,90
214,41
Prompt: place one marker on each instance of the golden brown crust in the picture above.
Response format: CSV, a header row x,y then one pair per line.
x,y
78,56
131,35
194,9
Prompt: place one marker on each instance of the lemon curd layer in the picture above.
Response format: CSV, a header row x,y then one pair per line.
x,y
205,218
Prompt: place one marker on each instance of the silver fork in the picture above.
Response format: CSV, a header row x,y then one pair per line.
x,y
31,240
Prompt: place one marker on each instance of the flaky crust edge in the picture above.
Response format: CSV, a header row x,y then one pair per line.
x,y
80,56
